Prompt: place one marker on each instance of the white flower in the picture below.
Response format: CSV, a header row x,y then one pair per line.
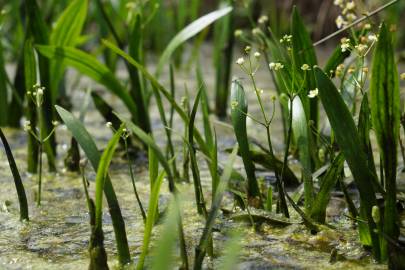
x,y
240,61
108,124
55,123
345,44
351,17
234,104
257,55
372,38
276,66
367,26
27,126
238,33
255,31
340,22
305,67
248,49
263,19
344,47
40,91
313,93
340,69
350,5
338,2
403,76
361,48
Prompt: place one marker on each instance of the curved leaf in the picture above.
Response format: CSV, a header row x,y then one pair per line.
x,y
301,135
89,147
348,139
187,33
238,114
90,66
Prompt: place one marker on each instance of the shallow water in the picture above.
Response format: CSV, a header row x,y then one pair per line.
x,y
57,235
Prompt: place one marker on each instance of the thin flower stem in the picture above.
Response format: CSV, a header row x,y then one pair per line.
x,y
131,173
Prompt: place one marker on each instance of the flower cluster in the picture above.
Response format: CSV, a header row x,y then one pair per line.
x,y
276,66
37,94
348,13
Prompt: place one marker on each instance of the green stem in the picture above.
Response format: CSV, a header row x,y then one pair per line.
x,y
280,186
40,149
131,173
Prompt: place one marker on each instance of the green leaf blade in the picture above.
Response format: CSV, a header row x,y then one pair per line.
x,y
187,33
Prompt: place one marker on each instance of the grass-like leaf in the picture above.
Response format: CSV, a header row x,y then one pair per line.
x,y
148,140
66,34
22,198
187,33
337,58
3,91
30,78
385,112
91,67
318,210
90,149
151,218
97,251
216,204
161,89
193,158
348,139
304,53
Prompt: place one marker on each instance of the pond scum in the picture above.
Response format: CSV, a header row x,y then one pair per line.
x,y
341,130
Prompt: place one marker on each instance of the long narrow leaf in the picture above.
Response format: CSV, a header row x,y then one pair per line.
x,y
148,140
187,33
238,114
301,135
66,33
348,139
22,198
90,66
385,112
90,149
329,180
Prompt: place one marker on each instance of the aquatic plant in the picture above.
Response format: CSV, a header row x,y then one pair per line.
x,y
330,116
22,198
